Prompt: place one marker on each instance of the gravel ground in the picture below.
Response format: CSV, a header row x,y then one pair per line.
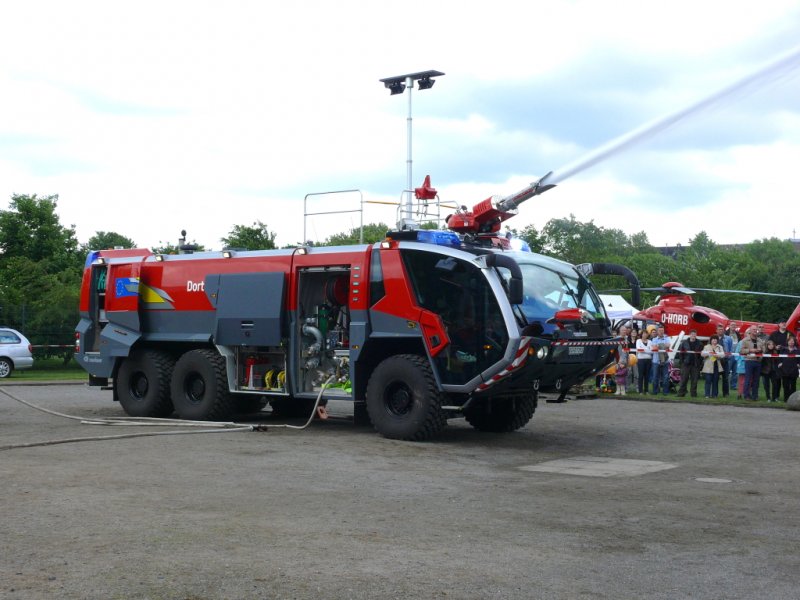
x,y
336,511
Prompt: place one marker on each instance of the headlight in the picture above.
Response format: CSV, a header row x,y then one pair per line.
x,y
541,353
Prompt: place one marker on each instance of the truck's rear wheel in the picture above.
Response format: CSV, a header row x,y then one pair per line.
x,y
200,387
403,402
502,414
142,384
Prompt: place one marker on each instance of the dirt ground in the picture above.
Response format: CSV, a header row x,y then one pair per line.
x,y
336,511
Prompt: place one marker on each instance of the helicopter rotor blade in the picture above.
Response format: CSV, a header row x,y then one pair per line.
x,y
680,290
660,290
685,290
657,290
748,292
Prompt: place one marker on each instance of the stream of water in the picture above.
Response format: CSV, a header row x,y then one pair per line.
x,y
772,72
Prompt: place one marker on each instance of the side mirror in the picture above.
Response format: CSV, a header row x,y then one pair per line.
x,y
515,283
515,291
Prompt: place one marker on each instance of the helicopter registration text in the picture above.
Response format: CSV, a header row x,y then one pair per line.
x,y
675,318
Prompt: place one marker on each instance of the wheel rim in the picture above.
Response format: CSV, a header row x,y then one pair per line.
x,y
398,399
139,386
194,389
5,368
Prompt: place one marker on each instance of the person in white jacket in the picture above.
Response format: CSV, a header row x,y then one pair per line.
x,y
644,360
712,354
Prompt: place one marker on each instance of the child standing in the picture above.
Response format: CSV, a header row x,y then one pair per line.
x,y
621,377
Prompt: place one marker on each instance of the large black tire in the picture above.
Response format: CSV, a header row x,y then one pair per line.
x,y
200,387
6,367
502,415
403,401
142,383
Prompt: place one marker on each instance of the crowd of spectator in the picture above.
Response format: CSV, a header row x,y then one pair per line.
x,y
726,363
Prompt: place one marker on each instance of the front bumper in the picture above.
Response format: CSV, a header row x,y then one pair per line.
x,y
566,363
571,362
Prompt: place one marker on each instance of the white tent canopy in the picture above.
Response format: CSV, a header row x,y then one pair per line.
x,y
617,307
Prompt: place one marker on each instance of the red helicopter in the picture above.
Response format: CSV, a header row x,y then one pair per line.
x,y
676,310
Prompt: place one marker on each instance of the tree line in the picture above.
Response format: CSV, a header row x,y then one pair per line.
x,y
41,265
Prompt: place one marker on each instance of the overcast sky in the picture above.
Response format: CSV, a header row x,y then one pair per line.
x,y
151,117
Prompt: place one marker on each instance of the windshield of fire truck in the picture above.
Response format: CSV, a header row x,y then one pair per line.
x,y
546,291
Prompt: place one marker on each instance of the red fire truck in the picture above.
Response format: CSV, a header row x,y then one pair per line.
x,y
418,328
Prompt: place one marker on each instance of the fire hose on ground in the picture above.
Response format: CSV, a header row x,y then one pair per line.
x,y
188,427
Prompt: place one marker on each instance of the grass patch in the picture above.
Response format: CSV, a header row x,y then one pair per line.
x,y
731,400
45,369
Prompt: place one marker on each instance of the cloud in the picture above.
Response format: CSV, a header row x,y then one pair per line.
x,y
201,116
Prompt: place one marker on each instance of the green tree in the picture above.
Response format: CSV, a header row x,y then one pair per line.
x,y
696,261
169,248
531,236
253,237
577,242
772,265
103,240
430,225
31,228
40,272
43,305
373,232
638,242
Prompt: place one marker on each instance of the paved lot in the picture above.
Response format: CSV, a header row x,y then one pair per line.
x,y
338,512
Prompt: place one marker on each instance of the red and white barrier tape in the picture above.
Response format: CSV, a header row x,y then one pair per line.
x,y
756,354
583,343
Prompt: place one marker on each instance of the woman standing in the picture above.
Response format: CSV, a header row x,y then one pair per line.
x,y
788,368
713,354
769,372
644,360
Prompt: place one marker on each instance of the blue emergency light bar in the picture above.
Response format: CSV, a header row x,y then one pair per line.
x,y
440,238
426,236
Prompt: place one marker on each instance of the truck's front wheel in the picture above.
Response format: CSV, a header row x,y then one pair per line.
x,y
142,384
200,387
403,401
502,414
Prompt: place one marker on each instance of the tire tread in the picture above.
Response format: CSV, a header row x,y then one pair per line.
x,y
161,404
504,418
222,406
433,420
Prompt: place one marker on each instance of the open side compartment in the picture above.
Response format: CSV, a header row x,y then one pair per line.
x,y
324,330
261,369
